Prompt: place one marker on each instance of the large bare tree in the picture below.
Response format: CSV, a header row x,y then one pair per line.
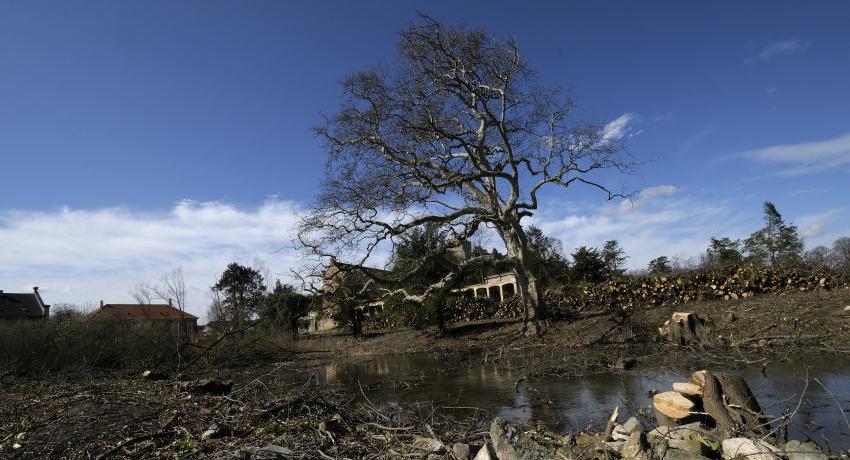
x,y
457,133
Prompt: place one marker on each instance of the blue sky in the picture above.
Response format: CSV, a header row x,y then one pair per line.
x,y
140,136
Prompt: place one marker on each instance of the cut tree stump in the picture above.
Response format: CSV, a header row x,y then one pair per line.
x,y
685,328
712,402
740,401
673,407
698,378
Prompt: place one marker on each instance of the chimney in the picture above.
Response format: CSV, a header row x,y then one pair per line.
x,y
35,289
101,303
1,292
169,302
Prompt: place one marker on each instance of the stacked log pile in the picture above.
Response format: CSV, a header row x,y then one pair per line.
x,y
713,399
457,310
633,292
739,283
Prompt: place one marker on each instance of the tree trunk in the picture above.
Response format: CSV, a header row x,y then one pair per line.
x,y
528,289
738,393
712,402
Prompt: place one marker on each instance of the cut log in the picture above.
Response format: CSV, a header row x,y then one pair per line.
x,y
673,405
687,389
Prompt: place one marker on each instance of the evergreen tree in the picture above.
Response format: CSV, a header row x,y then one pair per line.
x,y
588,265
660,266
614,256
418,254
722,252
547,257
285,307
777,242
242,292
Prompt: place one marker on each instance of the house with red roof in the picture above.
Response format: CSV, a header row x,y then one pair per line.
x,y
147,312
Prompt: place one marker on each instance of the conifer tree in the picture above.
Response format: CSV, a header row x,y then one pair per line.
x,y
614,256
775,243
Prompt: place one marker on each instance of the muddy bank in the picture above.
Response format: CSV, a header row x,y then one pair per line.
x,y
742,332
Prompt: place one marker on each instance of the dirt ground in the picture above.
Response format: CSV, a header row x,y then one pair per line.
x,y
742,332
279,404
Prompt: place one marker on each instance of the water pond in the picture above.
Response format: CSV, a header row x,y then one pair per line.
x,y
428,381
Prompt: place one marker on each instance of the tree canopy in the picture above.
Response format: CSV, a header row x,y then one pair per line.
x,y
588,265
660,266
285,307
242,291
459,134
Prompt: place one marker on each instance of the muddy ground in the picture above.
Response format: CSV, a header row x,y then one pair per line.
x,y
278,404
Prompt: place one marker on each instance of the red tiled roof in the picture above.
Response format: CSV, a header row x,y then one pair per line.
x,y
141,311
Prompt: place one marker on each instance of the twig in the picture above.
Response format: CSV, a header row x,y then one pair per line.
x,y
789,417
139,438
390,428
837,403
214,344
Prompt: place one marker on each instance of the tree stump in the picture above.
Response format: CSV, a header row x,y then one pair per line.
x,y
712,402
685,329
738,393
671,408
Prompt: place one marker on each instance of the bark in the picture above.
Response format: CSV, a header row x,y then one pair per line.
x,y
738,393
528,287
685,329
712,401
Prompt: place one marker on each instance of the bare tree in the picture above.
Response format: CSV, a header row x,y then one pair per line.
x,y
144,294
457,134
216,311
172,288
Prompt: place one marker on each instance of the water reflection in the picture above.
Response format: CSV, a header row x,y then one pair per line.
x,y
580,402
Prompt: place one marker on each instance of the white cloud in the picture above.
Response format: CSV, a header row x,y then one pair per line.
x,y
813,226
618,128
82,256
806,157
776,48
